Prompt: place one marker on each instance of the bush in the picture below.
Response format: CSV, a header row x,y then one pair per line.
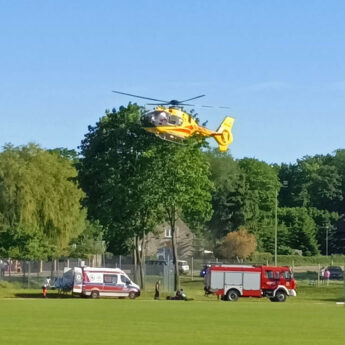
x,y
238,244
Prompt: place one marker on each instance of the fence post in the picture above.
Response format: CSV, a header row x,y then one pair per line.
x,y
29,272
192,268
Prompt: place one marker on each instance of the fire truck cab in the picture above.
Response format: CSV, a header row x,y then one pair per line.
x,y
234,281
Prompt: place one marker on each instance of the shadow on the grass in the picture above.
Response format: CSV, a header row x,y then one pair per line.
x,y
40,296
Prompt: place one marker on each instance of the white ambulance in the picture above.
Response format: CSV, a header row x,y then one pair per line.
x,y
97,282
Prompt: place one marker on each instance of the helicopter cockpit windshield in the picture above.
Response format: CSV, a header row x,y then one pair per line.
x,y
162,118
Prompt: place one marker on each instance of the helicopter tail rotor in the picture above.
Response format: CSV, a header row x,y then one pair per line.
x,y
223,135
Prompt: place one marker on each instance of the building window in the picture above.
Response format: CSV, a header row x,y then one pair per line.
x,y
168,232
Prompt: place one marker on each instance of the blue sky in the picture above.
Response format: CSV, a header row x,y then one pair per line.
x,y
279,65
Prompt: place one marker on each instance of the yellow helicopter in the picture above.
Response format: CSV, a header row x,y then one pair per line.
x,y
172,123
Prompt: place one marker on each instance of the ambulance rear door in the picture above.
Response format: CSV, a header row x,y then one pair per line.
x,y
78,280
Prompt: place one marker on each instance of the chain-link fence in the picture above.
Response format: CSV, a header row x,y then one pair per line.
x,y
33,274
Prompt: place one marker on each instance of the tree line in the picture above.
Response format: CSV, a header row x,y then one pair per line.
x,y
124,182
309,195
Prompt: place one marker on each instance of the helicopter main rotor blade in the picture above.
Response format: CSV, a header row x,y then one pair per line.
x,y
158,103
214,106
176,105
189,99
129,94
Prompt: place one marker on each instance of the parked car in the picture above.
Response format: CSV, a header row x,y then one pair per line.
x,y
183,266
336,272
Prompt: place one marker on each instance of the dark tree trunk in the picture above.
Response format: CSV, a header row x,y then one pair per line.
x,y
172,221
140,255
135,261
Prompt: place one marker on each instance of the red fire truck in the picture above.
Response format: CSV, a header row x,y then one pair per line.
x,y
234,281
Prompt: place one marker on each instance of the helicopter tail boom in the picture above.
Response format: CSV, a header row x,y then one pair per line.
x,y
223,136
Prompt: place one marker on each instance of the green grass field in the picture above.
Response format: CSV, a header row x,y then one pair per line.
x,y
311,318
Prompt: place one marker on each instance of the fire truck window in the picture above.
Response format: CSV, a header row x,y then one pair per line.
x,y
287,275
269,274
276,275
110,278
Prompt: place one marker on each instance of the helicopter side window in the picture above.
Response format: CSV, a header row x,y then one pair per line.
x,y
159,118
174,120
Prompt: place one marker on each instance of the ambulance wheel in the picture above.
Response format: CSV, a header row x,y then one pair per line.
x,y
232,295
94,294
132,295
281,296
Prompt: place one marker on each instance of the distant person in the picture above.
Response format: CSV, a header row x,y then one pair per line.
x,y
182,295
157,285
44,290
322,274
45,287
327,275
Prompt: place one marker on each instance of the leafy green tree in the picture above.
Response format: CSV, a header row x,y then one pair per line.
x,y
302,230
89,242
228,198
339,235
266,237
117,176
66,153
262,181
313,182
326,226
261,187
40,210
317,183
182,173
290,175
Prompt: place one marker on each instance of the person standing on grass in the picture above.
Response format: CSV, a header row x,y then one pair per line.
x,y
44,290
157,289
45,287
322,274
327,275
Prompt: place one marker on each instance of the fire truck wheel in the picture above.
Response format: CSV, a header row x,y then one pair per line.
x,y
273,299
94,294
281,296
131,295
232,295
